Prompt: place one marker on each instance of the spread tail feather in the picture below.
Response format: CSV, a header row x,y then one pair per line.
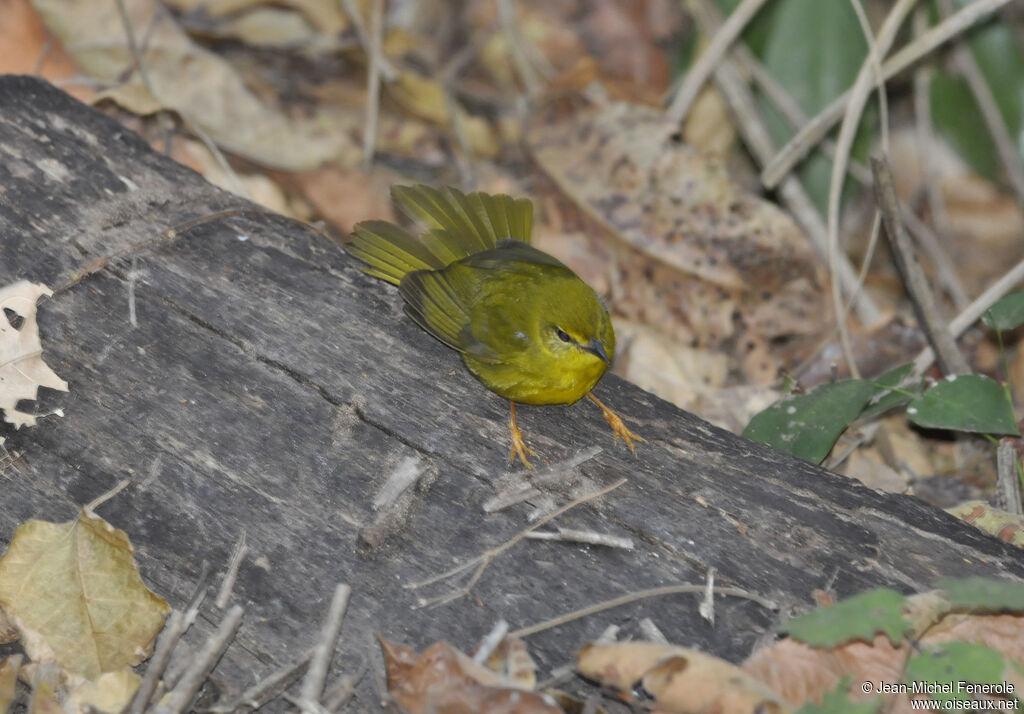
x,y
458,225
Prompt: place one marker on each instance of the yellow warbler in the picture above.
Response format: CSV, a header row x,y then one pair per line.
x,y
526,325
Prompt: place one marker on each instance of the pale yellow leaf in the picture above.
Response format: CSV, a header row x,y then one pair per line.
x,y
110,692
8,681
22,369
74,592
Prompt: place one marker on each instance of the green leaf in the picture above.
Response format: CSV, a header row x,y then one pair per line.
x,y
885,398
808,425
957,119
955,667
837,701
984,594
860,617
964,402
955,113
1006,314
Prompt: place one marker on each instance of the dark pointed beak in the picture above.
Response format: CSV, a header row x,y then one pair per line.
x,y
596,347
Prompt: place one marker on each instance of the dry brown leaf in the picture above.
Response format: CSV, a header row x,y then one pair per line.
x,y
325,15
701,259
257,187
344,196
109,693
268,27
868,467
188,79
73,591
26,47
22,369
424,97
680,679
9,667
444,681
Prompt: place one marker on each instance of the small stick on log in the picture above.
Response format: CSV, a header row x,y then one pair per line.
x,y
1007,481
316,675
179,698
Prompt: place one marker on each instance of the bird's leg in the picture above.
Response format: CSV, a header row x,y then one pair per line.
x,y
519,447
618,426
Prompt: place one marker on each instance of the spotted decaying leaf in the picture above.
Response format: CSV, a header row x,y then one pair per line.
x,y
22,369
1002,524
705,261
74,593
442,680
679,679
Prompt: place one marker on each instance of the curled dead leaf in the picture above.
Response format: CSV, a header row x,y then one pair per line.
x,y
679,679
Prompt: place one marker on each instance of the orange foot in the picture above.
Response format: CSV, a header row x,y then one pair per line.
x,y
618,426
519,447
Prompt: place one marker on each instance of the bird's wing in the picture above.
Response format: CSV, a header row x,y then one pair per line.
x,y
440,301
467,224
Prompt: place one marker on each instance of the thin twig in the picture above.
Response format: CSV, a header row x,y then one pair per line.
x,y
490,642
342,689
387,70
375,52
227,585
634,597
449,74
793,152
525,70
316,675
970,314
651,632
179,698
104,497
926,307
924,236
925,137
755,134
982,92
573,535
697,76
169,636
133,276
877,48
544,477
266,689
1007,480
707,603
484,559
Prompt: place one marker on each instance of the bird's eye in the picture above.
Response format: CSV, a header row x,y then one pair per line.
x,y
562,335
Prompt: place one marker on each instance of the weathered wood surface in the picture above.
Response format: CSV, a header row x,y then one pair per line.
x,y
270,387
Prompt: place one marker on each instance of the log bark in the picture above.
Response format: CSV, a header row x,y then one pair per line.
x,y
269,387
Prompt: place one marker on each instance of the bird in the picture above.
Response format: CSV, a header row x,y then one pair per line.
x,y
526,326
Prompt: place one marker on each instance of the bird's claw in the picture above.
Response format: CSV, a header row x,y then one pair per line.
x,y
519,447
619,428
